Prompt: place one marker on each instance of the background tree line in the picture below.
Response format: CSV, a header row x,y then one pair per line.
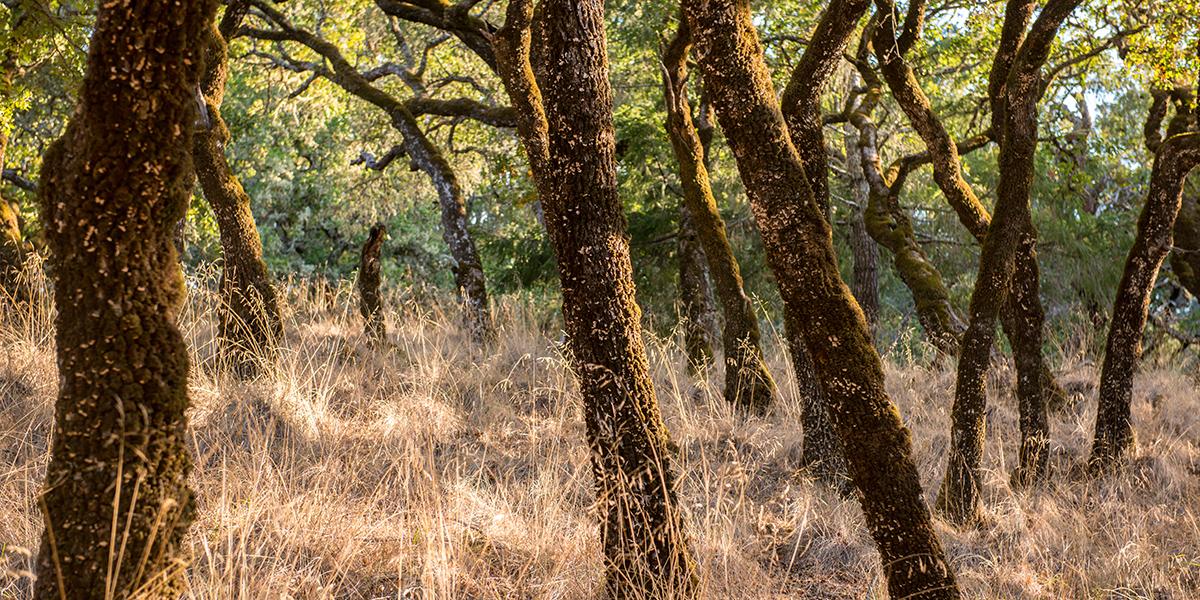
x,y
571,149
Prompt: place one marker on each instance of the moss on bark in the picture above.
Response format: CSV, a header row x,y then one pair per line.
x,y
250,325
799,246
748,383
801,107
1021,315
116,501
568,135
1009,248
695,296
1114,438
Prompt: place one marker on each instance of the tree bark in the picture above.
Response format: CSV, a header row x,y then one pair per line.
x,y
468,267
695,296
890,226
1010,236
116,500
748,383
865,284
801,107
250,325
884,219
370,300
1021,315
565,124
1185,258
801,99
1114,438
799,248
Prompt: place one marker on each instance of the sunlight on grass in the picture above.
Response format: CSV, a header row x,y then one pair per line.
x,y
430,469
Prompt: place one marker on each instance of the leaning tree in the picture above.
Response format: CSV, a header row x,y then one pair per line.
x,y
1007,263
748,383
1176,154
798,241
249,325
565,123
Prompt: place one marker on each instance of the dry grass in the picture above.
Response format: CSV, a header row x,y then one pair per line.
x,y
431,470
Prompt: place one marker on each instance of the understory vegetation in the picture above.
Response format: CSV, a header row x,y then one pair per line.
x,y
359,472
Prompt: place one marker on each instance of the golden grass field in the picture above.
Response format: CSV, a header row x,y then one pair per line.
x,y
433,470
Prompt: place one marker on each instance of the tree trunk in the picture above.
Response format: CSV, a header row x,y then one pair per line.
x,y
468,267
801,99
823,455
695,296
567,131
1185,259
370,300
801,106
116,500
250,325
1022,316
887,222
799,246
1114,438
1009,248
889,225
865,284
748,383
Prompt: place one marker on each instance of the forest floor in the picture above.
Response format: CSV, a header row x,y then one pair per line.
x,y
432,470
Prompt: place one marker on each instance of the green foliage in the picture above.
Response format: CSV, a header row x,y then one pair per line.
x,y
294,139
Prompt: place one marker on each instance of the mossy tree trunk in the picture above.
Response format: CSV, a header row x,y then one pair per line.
x,y
748,383
865,283
116,500
889,225
1185,259
1022,315
250,325
370,300
1010,235
695,295
799,247
801,98
468,267
1174,159
565,124
801,107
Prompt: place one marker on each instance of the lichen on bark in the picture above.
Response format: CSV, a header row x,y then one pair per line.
x,y
250,326
565,124
1008,249
799,246
1174,159
748,383
116,502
